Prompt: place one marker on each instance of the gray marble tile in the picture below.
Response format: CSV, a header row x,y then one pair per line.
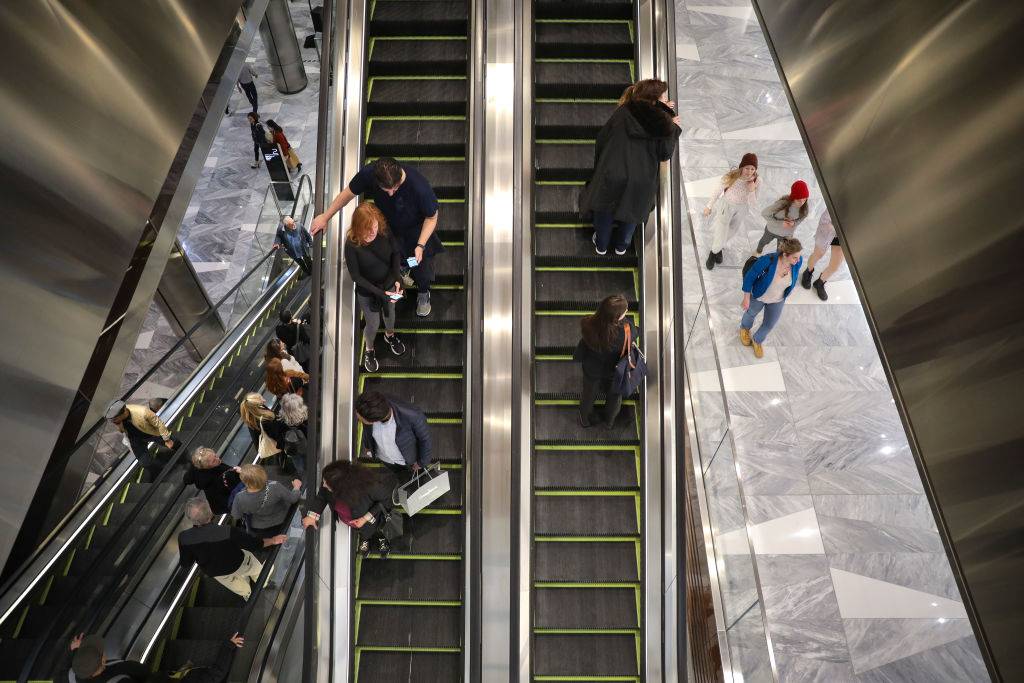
x,y
836,368
748,647
927,572
920,649
842,466
761,509
702,152
876,523
797,669
846,415
797,588
699,124
770,468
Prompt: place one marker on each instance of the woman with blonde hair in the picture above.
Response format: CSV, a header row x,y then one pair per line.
x,y
372,257
766,285
641,133
736,196
263,504
260,419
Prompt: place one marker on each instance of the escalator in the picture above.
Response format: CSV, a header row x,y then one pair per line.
x,y
408,608
587,549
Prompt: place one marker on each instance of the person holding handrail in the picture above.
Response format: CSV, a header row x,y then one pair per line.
x,y
142,427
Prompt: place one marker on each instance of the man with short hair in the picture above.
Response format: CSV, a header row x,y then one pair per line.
x,y
296,241
394,432
142,427
410,206
221,551
89,663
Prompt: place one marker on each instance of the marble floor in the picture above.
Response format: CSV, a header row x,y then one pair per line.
x,y
850,567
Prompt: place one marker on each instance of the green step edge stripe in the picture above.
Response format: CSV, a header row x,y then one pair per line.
x,y
585,269
585,539
578,584
412,557
610,679
560,182
409,603
406,648
588,631
565,141
596,493
583,21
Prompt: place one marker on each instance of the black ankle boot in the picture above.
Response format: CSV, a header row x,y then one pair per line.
x,y
806,279
712,260
819,287
718,256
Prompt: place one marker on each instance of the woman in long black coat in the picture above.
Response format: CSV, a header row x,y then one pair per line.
x,y
642,133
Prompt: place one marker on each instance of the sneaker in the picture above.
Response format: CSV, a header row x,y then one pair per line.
x,y
718,256
397,347
745,337
364,547
383,547
407,281
805,279
370,363
254,165
620,252
593,238
712,260
758,349
423,304
819,287
586,420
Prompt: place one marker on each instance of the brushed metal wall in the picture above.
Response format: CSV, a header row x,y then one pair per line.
x,y
95,100
914,113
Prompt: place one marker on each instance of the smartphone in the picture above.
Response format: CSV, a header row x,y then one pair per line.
x,y
412,262
394,297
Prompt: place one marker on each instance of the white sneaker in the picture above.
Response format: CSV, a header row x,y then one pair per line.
x,y
593,239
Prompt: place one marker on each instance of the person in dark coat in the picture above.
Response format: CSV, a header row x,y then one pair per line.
x,y
359,497
214,478
642,133
259,137
394,432
599,350
296,241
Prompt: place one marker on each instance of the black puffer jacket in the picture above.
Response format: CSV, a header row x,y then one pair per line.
x,y
637,138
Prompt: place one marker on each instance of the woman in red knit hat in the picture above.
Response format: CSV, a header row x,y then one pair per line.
x,y
736,196
784,215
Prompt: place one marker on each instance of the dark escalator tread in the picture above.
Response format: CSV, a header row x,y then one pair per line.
x,y
570,120
448,310
213,594
418,97
419,137
582,40
430,535
556,333
591,9
448,178
179,652
389,625
559,424
401,579
590,80
584,608
587,654
581,289
584,561
557,203
584,468
450,266
451,221
436,17
573,247
423,353
436,397
410,667
13,655
398,57
201,623
584,515
557,379
554,161
37,621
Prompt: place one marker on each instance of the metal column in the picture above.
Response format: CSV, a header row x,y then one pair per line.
x,y
282,48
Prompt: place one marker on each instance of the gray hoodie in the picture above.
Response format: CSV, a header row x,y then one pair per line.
x,y
776,213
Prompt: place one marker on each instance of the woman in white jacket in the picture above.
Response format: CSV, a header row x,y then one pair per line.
x,y
736,195
824,238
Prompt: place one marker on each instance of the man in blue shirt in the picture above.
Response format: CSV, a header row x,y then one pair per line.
x,y
296,242
410,206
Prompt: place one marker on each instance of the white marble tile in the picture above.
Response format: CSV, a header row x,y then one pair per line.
x,y
840,293
862,597
783,129
703,187
687,51
876,642
793,534
144,340
744,12
759,377
210,266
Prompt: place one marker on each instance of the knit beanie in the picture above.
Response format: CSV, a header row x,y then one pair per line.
x,y
799,190
749,159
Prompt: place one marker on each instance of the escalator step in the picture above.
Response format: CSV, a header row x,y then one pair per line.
x,y
410,667
13,655
570,120
424,17
588,515
557,379
556,333
398,57
574,40
450,266
448,310
447,443
591,9
585,561
399,579
37,621
417,137
389,626
436,397
451,221
584,608
202,623
418,97
572,247
179,652
448,178
588,654
561,161
430,535
585,469
559,424
557,203
423,353
581,289
590,80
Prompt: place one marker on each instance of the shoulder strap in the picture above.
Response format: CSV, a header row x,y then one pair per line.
x,y
626,340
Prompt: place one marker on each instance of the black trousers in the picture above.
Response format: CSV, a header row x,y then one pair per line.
x,y
256,152
592,386
423,274
305,263
250,94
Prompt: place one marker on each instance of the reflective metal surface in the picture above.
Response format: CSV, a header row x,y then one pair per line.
x,y
183,301
282,48
84,159
914,116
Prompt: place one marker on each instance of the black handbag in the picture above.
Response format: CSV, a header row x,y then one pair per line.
x,y
631,370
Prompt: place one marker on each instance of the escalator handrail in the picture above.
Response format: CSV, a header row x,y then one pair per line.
x,y
137,553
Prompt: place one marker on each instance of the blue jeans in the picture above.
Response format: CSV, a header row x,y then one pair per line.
x,y
772,313
605,224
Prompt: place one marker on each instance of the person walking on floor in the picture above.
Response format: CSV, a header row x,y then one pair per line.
x,y
784,215
259,138
372,258
395,432
245,82
287,151
767,284
824,238
605,336
263,504
223,552
409,206
641,133
142,427
735,198
297,242
359,496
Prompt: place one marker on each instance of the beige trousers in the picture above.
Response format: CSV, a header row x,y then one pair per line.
x,y
238,582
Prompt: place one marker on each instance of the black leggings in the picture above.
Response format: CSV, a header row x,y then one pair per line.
x,y
592,386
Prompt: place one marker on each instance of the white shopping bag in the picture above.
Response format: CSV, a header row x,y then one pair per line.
x,y
429,484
